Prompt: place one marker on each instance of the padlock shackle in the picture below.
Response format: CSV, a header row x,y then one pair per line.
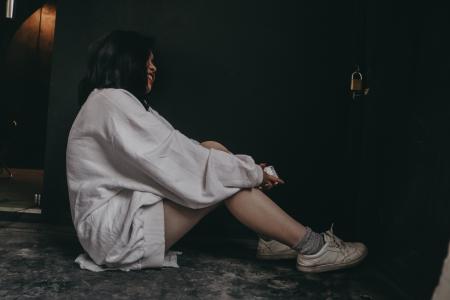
x,y
357,73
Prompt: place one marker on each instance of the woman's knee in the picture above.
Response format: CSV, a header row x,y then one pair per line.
x,y
214,145
211,144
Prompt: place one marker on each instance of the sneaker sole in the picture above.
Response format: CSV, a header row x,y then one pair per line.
x,y
333,267
276,256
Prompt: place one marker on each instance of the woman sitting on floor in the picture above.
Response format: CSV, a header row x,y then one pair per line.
x,y
137,184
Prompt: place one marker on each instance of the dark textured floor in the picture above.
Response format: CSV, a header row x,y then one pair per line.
x,y
37,263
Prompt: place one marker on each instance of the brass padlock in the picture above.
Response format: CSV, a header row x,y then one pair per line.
x,y
356,81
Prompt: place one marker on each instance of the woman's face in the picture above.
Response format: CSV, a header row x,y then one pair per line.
x,y
151,72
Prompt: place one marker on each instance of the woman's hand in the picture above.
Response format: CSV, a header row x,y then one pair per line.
x,y
269,181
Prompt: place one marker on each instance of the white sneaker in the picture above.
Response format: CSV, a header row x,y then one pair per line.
x,y
271,250
335,254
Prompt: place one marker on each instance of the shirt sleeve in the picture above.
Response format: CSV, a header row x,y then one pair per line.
x,y
195,141
185,171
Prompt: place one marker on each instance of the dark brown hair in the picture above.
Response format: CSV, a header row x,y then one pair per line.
x,y
118,60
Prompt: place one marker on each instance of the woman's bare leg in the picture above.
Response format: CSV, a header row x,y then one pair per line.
x,y
251,207
257,211
178,220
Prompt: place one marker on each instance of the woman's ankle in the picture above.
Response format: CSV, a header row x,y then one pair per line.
x,y
310,243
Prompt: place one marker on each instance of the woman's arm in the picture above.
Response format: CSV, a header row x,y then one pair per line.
x,y
268,180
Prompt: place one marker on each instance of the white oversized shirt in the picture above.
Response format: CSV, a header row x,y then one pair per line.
x,y
122,160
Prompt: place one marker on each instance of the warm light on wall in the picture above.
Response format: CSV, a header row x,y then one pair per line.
x,y
10,9
31,46
35,35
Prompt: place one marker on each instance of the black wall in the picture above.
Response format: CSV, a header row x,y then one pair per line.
x,y
252,75
270,79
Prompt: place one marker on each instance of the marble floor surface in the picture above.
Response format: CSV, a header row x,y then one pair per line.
x,y
36,262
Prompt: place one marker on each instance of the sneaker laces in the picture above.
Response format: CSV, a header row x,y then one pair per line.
x,y
334,238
